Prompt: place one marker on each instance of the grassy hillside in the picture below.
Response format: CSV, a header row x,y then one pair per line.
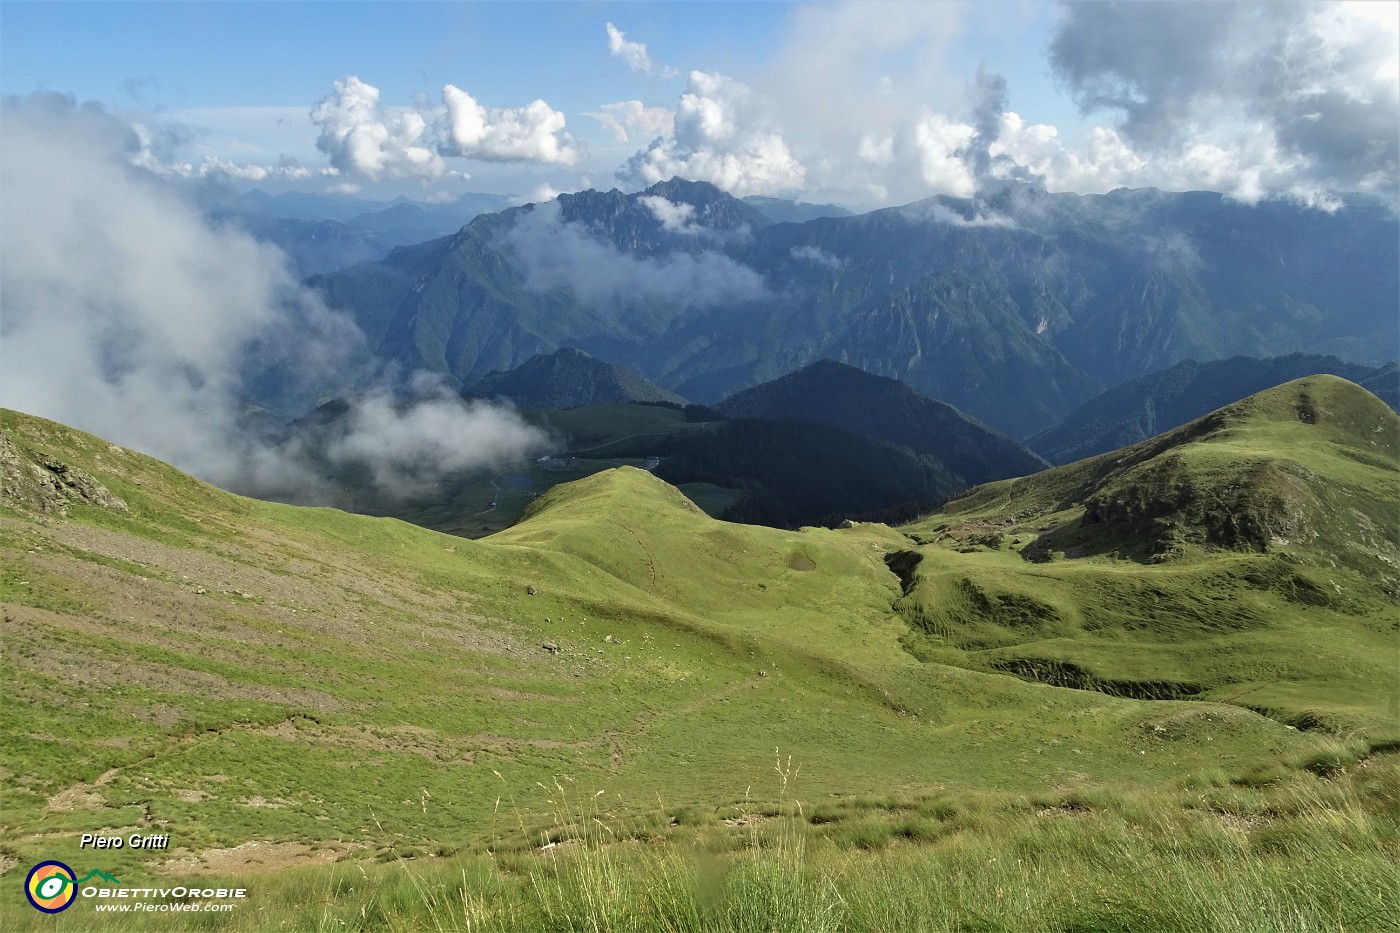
x,y
1207,562
373,725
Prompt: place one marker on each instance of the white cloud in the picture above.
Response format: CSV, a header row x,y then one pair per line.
x,y
675,218
559,255
876,150
539,194
632,116
1257,100
939,213
1246,164
816,254
940,144
126,314
724,134
533,133
360,139
158,158
406,448
635,55
1289,98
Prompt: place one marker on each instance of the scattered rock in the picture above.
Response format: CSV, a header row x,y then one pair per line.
x,y
49,485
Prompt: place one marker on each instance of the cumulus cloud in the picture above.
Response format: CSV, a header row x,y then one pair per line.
x,y
1311,90
635,55
126,314
363,139
555,254
632,116
1257,100
360,139
724,134
941,144
533,133
1246,164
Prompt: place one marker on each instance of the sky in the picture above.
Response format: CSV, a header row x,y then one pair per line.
x,y
863,103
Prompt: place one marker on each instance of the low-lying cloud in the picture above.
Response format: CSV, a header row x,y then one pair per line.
x,y
405,448
127,315
560,255
816,254
674,217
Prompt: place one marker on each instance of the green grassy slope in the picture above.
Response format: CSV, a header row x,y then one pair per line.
x,y
178,639
338,687
1249,556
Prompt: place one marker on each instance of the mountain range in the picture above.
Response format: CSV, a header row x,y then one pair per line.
x,y
1016,307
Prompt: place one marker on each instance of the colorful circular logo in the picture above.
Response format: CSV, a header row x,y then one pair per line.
x,y
51,887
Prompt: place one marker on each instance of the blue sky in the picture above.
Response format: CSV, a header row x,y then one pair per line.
x,y
860,102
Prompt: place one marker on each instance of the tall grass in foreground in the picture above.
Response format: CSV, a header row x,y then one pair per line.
x,y
1304,853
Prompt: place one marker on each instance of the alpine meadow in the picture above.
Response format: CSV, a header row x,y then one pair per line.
x,y
803,466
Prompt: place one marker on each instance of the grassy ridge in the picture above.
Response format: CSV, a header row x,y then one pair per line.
x,y
1247,557
336,688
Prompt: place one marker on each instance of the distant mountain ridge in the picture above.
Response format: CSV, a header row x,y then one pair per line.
x,y
794,472
325,233
569,378
781,210
1016,307
1157,402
